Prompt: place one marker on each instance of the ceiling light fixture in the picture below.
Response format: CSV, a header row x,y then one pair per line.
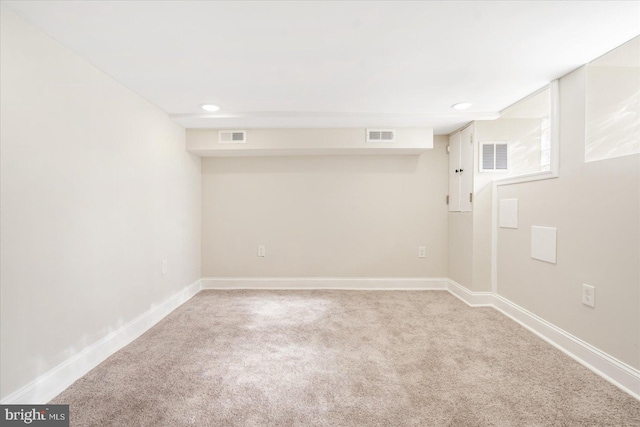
x,y
461,106
210,107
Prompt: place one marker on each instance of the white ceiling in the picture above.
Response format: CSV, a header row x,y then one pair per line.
x,y
334,64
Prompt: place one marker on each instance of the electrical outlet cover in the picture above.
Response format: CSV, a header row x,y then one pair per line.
x,y
589,295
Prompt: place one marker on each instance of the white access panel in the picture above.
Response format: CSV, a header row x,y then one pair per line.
x,y
466,168
544,243
508,215
454,177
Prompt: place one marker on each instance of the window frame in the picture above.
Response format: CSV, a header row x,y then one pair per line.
x,y
554,133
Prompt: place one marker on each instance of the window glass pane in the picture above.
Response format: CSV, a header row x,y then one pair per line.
x,y
613,104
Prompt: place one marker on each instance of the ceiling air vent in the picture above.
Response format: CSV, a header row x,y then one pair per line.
x,y
232,137
495,157
381,135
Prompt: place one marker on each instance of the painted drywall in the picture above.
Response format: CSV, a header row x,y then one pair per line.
x,y
523,136
96,189
460,237
595,207
520,125
481,281
311,141
325,216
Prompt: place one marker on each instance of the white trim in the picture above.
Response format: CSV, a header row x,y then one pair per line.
x,y
50,384
537,176
554,123
53,382
526,98
616,372
472,299
494,237
534,176
554,126
343,283
497,116
608,367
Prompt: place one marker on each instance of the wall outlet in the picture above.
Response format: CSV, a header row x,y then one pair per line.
x,y
422,252
262,251
589,295
164,267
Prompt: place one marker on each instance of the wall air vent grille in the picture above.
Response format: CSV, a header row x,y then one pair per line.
x,y
494,157
381,135
232,137
501,157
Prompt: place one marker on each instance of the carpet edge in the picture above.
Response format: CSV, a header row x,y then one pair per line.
x,y
51,383
618,373
317,283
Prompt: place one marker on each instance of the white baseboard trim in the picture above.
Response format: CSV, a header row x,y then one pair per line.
x,y
473,299
616,372
342,283
623,376
51,383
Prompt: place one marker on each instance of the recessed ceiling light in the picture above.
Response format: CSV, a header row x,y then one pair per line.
x,y
210,107
461,106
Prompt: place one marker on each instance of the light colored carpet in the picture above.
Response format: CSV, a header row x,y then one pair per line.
x,y
342,358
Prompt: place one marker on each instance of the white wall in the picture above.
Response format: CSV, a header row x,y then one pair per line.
x,y
595,207
460,238
309,141
470,233
325,216
523,135
524,158
96,189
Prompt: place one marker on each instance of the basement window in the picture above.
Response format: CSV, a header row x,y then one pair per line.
x,y
612,115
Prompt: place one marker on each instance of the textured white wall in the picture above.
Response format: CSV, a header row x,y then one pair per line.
x,y
97,189
325,216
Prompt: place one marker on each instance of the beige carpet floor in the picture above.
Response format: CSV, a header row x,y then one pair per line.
x,y
342,358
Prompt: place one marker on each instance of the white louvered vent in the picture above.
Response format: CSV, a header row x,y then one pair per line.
x,y
232,137
381,135
494,157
